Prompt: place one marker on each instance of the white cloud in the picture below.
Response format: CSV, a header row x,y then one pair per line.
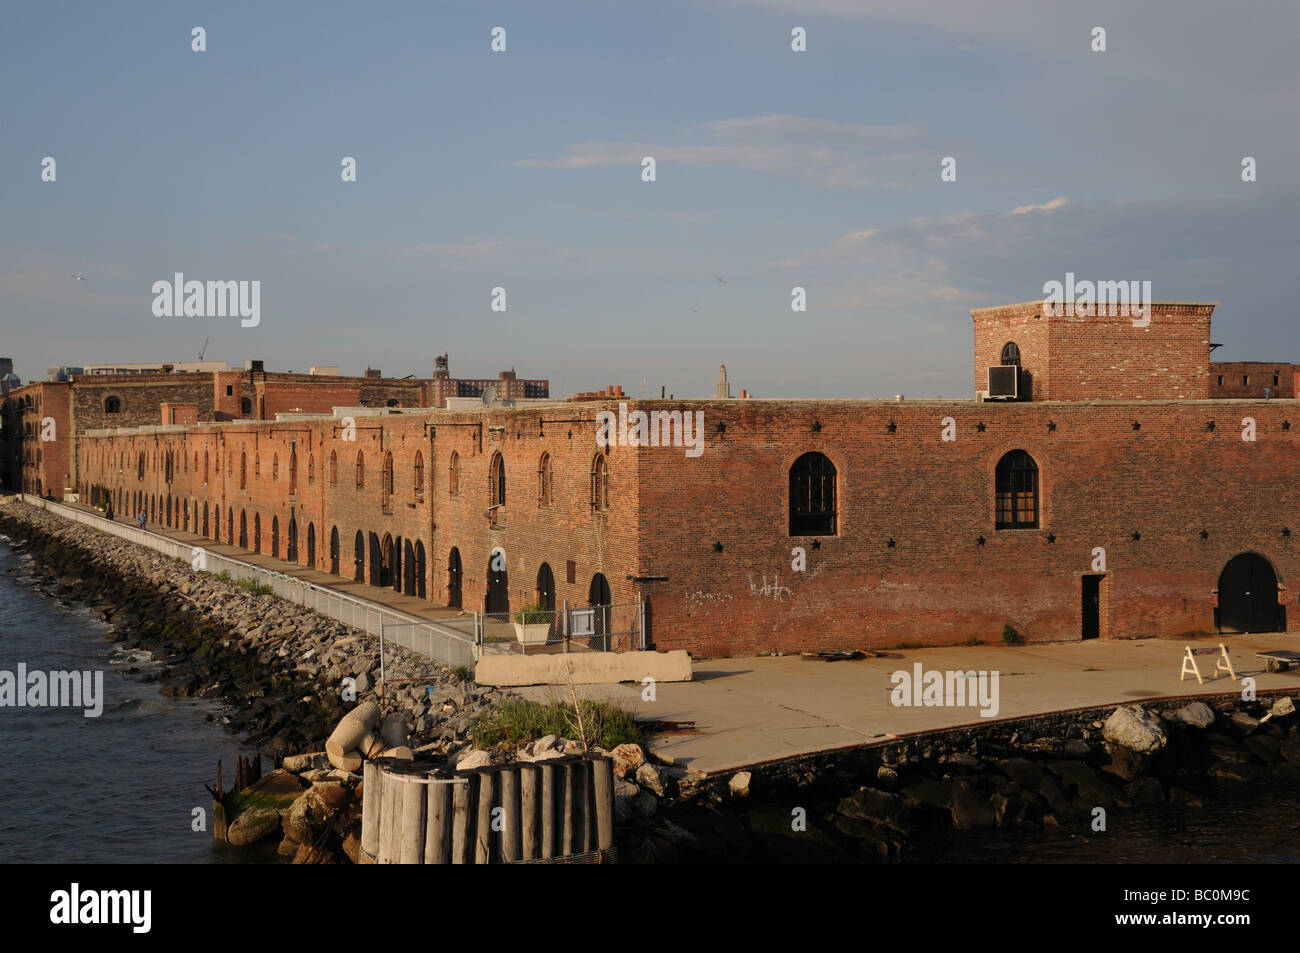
x,y
815,151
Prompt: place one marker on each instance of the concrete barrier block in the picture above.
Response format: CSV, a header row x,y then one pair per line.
x,y
583,668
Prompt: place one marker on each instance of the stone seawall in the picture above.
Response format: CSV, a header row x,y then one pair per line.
x,y
279,667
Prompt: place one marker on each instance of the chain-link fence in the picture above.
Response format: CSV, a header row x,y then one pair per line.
x,y
436,640
602,628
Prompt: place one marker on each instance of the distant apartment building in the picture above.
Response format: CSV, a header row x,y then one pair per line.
x,y
506,385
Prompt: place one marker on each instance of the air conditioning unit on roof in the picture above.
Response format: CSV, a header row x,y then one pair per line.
x,y
1004,382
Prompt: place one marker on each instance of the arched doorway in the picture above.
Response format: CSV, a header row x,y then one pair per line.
x,y
311,545
230,524
453,579
243,529
546,587
376,562
292,554
421,570
334,550
393,548
408,569
598,596
257,532
498,591
386,551
275,537
359,558
1248,596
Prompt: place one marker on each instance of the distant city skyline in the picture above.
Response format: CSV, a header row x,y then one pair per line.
x,y
522,170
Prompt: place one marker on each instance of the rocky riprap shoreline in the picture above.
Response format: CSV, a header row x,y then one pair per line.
x,y
279,668
892,802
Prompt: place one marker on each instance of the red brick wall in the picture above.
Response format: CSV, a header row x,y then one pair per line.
x,y
1101,357
1101,480
1249,379
39,465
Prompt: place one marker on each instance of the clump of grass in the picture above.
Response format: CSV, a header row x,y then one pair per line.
x,y
255,587
1011,636
463,673
517,720
975,641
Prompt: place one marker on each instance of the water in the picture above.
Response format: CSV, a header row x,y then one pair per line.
x,y
1235,825
120,788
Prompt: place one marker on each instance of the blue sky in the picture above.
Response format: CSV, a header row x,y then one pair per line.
x,y
522,170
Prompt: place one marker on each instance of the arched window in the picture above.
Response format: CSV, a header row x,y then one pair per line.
x,y
243,470
419,477
311,469
245,407
386,481
275,467
453,475
1011,353
205,478
196,464
599,483
1016,485
334,468
257,464
140,468
112,405
544,480
361,469
293,472
812,496
497,481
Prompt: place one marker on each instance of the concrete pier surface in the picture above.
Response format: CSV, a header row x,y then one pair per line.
x,y
749,711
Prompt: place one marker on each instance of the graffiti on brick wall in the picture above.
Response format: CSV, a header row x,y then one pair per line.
x,y
769,590
700,597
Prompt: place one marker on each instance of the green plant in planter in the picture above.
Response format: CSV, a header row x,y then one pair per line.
x,y
532,614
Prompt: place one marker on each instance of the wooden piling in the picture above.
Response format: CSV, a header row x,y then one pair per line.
x,y
511,836
464,800
603,789
437,832
582,807
411,836
484,835
529,827
567,802
550,782
371,806
390,822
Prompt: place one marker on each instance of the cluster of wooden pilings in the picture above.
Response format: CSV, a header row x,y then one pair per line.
x,y
556,811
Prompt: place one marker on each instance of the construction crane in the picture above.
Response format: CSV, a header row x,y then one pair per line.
x,y
204,350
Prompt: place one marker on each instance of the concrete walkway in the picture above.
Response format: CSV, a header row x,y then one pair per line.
x,y
382,595
754,710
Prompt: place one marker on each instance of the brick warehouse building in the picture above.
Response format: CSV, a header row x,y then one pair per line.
x,y
1118,496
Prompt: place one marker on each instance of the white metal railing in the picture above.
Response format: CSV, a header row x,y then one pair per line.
x,y
419,635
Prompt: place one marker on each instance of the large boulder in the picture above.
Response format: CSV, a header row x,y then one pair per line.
x,y
253,825
312,813
627,758
969,810
877,807
1196,714
1135,728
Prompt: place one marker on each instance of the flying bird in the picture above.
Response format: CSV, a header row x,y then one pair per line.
x,y
79,278
697,310
720,278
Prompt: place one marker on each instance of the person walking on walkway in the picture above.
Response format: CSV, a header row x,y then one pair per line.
x,y
143,517
108,510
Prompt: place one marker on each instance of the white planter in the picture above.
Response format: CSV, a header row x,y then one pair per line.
x,y
534,633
